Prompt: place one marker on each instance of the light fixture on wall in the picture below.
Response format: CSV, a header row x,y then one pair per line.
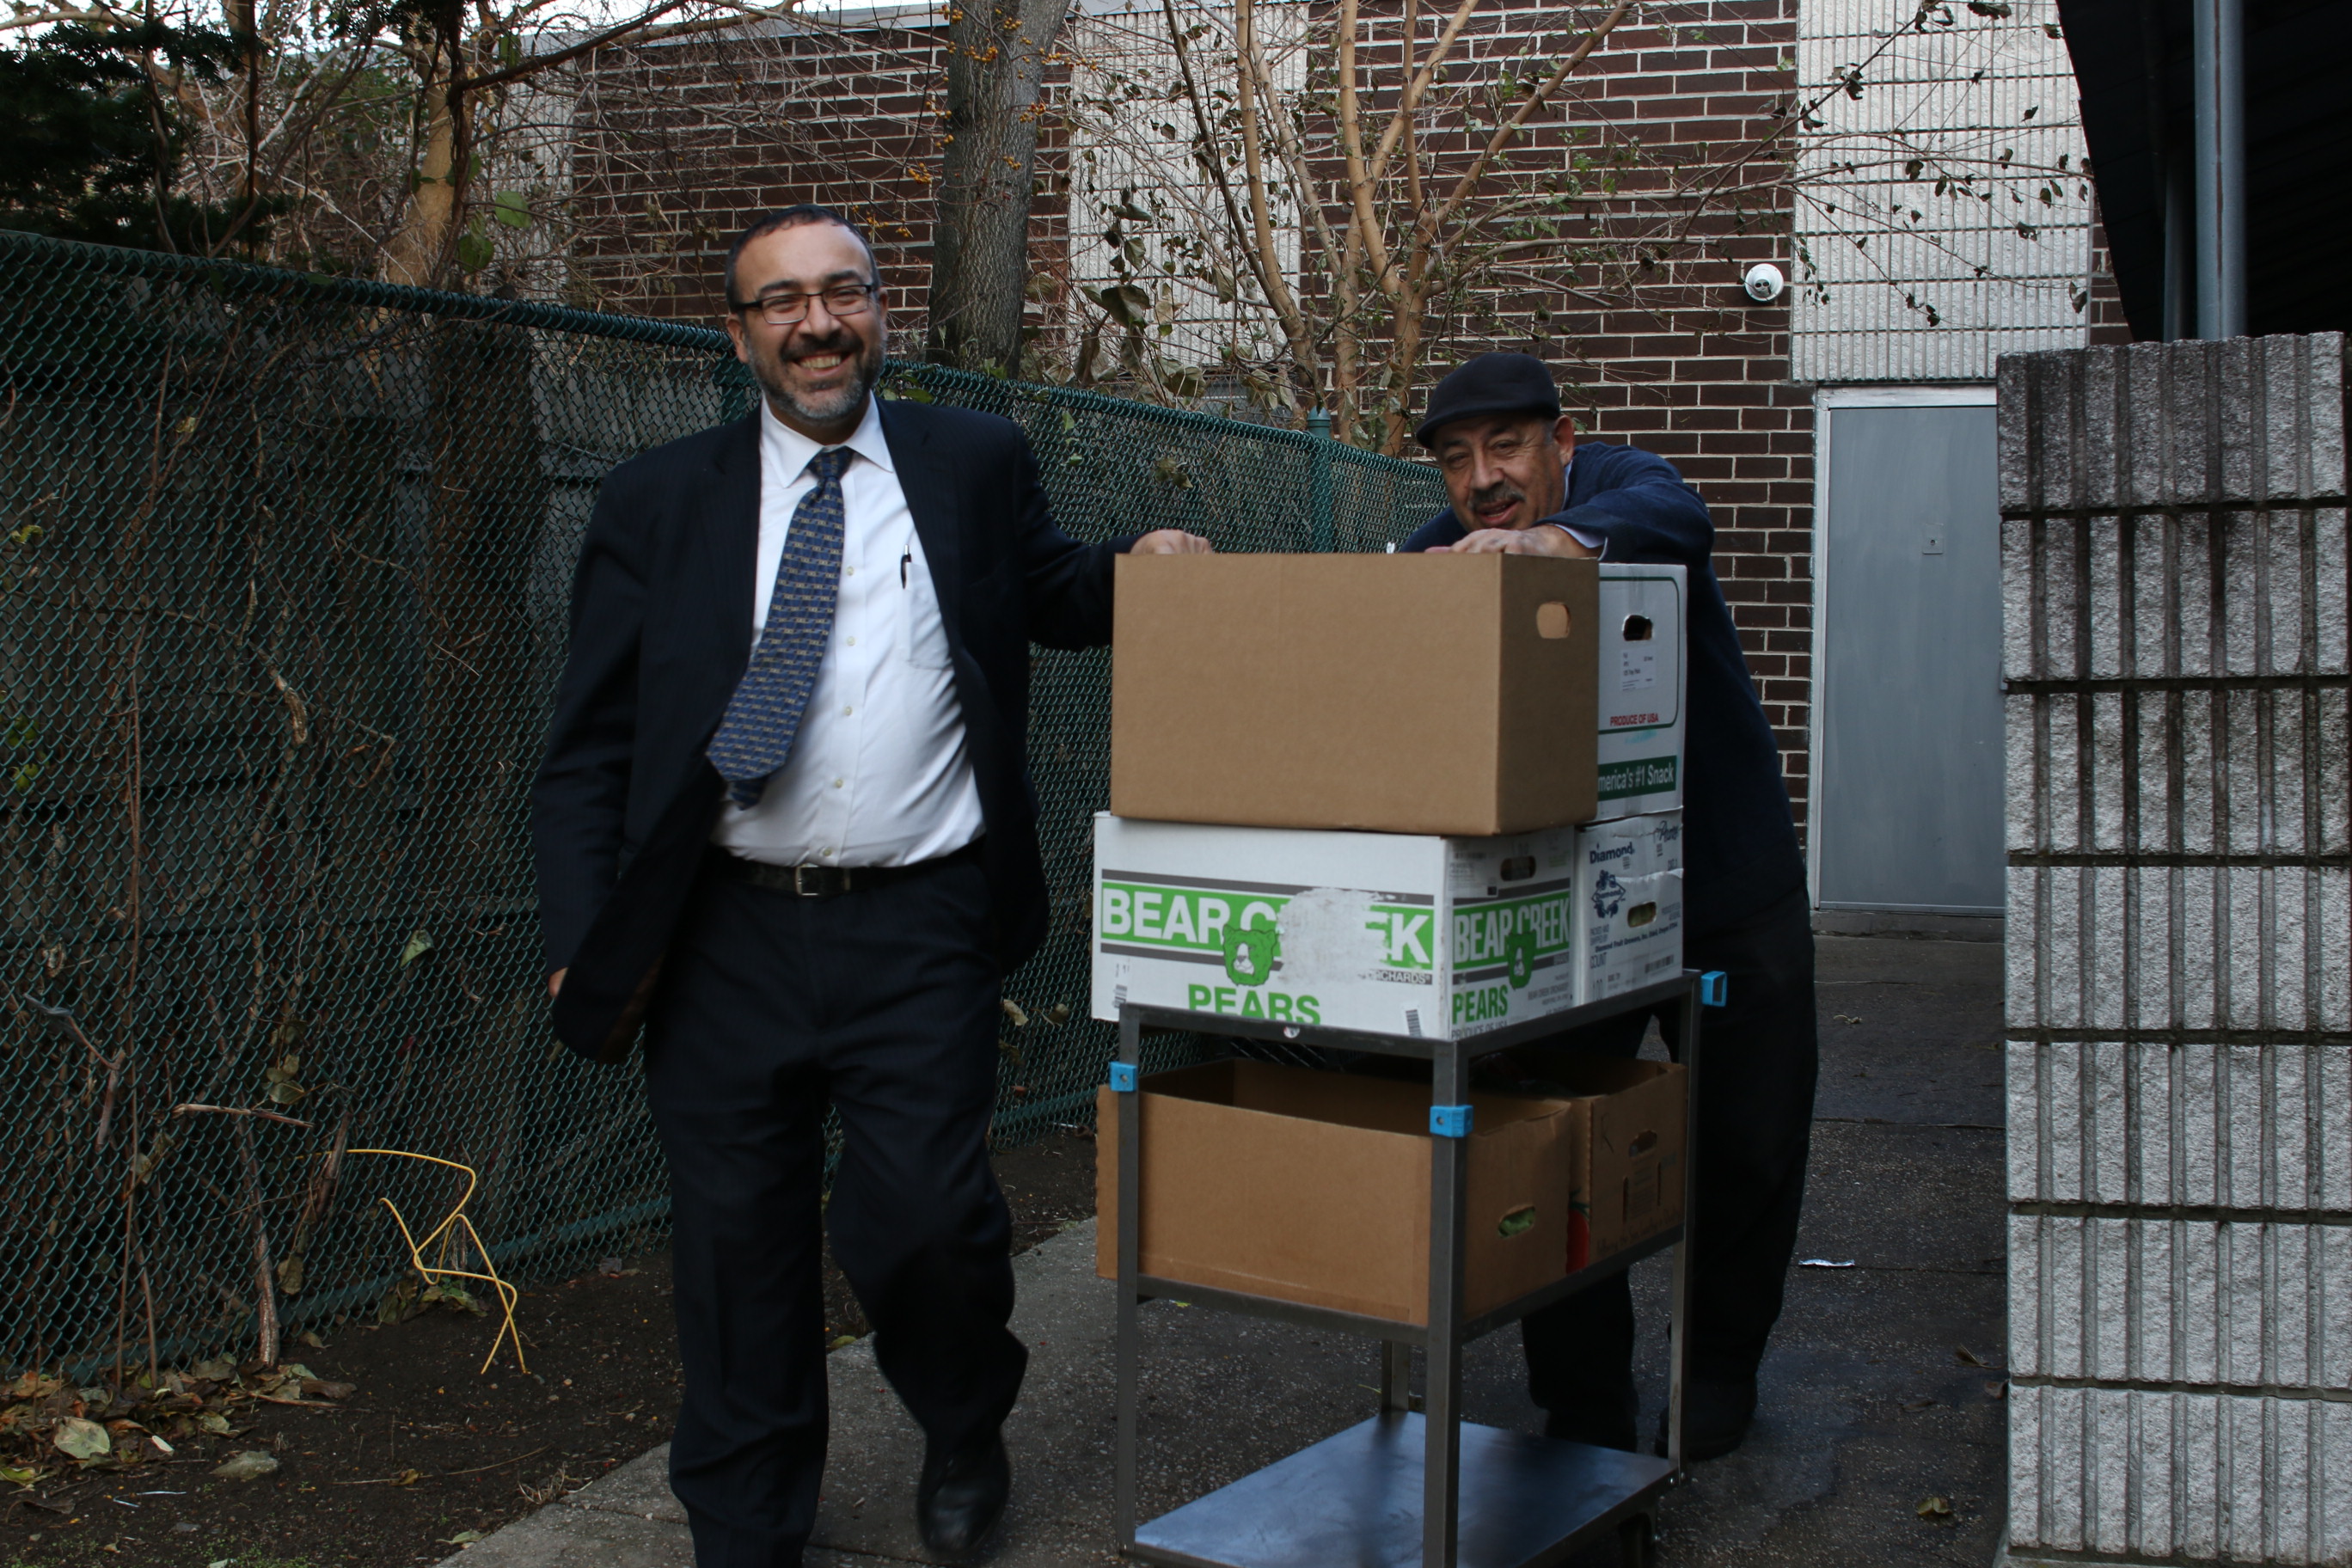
x,y
1763,283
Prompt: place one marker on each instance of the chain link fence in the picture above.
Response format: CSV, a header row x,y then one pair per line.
x,y
284,564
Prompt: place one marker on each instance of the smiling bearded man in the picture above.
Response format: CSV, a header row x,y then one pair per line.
x,y
783,822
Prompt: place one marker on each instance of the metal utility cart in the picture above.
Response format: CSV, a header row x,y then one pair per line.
x,y
1486,1498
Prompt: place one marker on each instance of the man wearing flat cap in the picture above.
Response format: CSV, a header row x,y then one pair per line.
x,y
1521,482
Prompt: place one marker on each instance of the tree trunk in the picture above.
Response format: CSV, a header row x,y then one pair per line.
x,y
416,252
979,245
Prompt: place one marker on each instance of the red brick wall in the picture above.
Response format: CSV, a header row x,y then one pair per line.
x,y
1673,358
1676,360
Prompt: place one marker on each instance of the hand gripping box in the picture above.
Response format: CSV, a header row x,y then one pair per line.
x,y
1394,933
1640,662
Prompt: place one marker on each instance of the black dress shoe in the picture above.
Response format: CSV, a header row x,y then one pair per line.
x,y
961,1496
1715,1417
1604,1419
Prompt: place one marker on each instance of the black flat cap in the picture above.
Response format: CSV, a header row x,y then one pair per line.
x,y
1490,383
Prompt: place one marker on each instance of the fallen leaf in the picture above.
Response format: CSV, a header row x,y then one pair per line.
x,y
161,1445
214,1421
1996,1390
311,1337
1935,1508
80,1439
420,943
1968,1357
1921,1404
218,1370
407,1478
1843,1018
841,1340
322,1388
23,1476
464,1538
247,1466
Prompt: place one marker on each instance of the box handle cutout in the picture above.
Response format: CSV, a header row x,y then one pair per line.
x,y
1551,619
1518,1222
1518,867
1638,629
1639,915
1640,1145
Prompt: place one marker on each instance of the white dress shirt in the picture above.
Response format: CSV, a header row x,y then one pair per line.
x,y
880,774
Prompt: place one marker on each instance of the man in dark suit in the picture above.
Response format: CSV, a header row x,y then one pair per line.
x,y
1520,481
784,822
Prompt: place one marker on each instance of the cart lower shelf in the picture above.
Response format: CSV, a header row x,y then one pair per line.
x,y
1354,1501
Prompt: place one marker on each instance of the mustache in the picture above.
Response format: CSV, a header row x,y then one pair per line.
x,y
838,342
1500,491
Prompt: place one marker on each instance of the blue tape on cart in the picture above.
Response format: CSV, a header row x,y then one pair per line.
x,y
1122,1077
1449,1121
1714,989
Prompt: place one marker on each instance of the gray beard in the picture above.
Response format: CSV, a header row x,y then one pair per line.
x,y
831,410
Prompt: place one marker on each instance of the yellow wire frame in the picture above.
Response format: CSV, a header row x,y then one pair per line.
x,y
445,1234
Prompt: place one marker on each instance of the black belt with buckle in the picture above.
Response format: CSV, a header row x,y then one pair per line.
x,y
830,881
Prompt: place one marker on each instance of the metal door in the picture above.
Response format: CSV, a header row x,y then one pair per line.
x,y
1907,804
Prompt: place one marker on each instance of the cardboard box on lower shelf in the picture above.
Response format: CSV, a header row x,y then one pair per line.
x,y
1630,1140
1314,1187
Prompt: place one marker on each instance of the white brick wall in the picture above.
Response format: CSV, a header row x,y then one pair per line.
x,y
2178,589
2125,1475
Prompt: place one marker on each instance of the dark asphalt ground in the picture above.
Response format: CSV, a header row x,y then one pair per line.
x,y
1881,1391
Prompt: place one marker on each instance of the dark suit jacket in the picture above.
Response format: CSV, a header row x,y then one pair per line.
x,y
1742,844
661,631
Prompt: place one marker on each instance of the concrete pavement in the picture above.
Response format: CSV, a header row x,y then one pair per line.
x,y
1873,1400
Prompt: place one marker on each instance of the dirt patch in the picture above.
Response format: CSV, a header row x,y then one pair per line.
x,y
430,1447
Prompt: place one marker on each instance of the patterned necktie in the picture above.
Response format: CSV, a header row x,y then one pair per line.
x,y
765,715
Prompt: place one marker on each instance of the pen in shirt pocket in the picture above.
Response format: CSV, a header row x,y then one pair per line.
x,y
905,561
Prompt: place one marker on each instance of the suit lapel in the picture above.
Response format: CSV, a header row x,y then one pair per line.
x,y
928,485
729,553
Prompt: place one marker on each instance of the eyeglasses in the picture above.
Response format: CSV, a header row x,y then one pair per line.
x,y
781,309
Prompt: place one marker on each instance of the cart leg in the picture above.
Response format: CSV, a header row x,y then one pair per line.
x,y
1679,1332
1396,1375
1637,1541
1130,1331
1449,1165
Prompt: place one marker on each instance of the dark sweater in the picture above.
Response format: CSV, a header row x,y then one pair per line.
x,y
1741,843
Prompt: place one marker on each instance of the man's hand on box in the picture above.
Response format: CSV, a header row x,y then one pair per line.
x,y
1169,541
1543,539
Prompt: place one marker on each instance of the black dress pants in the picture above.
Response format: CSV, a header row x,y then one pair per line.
x,y
1758,1059
883,1003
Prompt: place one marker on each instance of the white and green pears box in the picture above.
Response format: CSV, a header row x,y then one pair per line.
x,y
1394,933
1640,659
1629,903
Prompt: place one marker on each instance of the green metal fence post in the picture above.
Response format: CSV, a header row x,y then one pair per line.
x,y
1318,494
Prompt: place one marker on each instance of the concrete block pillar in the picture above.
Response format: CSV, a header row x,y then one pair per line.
x,y
2180,973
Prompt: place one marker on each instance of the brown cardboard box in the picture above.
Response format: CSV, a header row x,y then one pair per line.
x,y
1314,1187
1632,1139
1439,694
